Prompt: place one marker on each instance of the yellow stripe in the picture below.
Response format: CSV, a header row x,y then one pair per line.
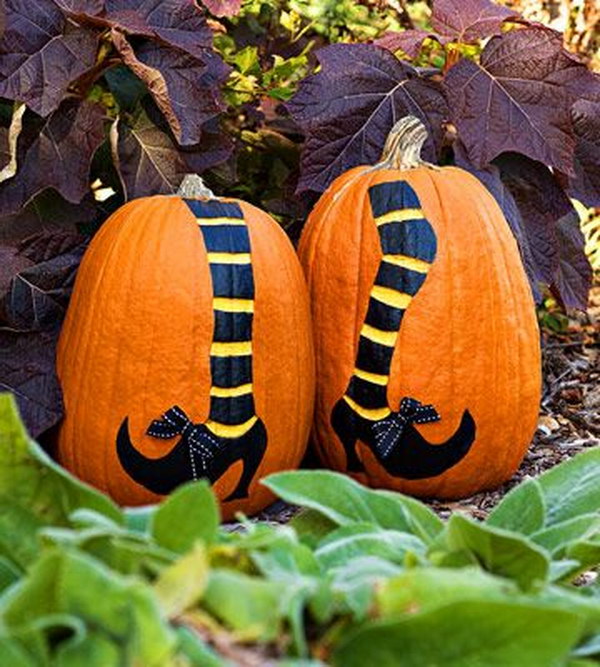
x,y
406,262
230,392
207,222
229,257
231,349
233,305
230,430
373,415
391,297
378,336
373,378
402,215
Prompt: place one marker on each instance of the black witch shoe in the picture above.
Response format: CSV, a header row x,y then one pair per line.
x,y
199,454
397,444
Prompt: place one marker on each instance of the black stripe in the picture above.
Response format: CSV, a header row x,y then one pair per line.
x,y
382,316
374,357
367,394
226,238
231,371
232,280
391,196
414,238
234,327
214,209
232,410
399,278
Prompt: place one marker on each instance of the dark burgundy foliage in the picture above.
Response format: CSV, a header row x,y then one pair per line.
x,y
468,20
348,108
58,157
41,53
514,100
585,185
573,275
410,41
38,276
223,7
551,227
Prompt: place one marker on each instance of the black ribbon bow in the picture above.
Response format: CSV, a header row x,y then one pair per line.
x,y
388,430
175,422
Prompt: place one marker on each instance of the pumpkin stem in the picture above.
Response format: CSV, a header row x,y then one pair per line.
x,y
403,145
192,187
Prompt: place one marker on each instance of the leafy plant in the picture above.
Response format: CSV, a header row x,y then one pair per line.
x,y
358,576
501,98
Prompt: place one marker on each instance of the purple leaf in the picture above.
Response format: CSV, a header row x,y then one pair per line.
x,y
410,41
4,147
43,270
467,21
490,177
185,88
585,185
179,23
214,148
59,157
38,295
147,159
515,99
48,212
223,7
347,109
542,203
81,7
41,53
573,278
27,370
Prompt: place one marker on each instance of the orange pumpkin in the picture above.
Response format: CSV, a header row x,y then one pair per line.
x,y
426,339
186,353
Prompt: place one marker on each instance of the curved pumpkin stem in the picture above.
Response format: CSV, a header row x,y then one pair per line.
x,y
403,146
193,187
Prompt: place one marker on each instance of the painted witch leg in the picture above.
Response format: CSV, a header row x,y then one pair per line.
x,y
409,247
233,432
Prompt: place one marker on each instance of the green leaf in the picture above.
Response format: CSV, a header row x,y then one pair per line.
x,y
557,537
571,488
522,509
31,480
423,589
586,552
591,647
362,539
248,605
139,519
123,611
355,583
499,551
182,584
189,514
8,574
465,634
311,526
14,655
344,501
197,651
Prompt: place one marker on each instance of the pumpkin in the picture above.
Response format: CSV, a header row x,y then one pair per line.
x,y
426,338
186,352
